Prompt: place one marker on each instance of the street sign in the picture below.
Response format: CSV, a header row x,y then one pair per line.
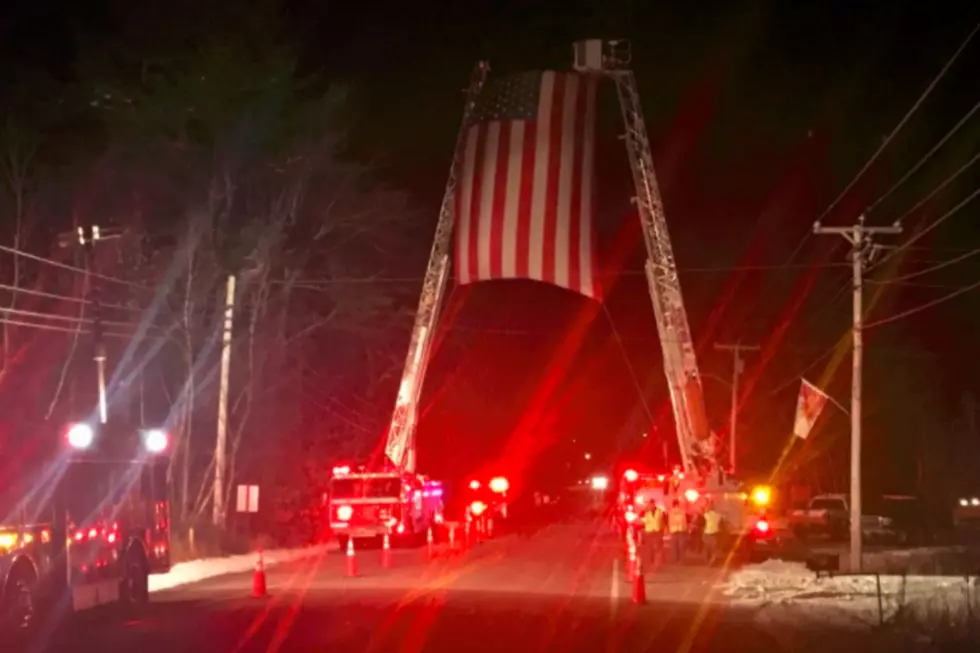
x,y
248,498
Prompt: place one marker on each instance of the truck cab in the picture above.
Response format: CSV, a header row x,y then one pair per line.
x,y
87,526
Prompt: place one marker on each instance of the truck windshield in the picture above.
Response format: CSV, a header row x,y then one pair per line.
x,y
357,488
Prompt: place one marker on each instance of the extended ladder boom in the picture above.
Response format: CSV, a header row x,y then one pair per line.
x,y
680,363
400,445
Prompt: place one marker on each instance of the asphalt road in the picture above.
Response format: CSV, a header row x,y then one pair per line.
x,y
561,590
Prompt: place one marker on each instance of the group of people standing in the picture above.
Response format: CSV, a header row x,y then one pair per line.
x,y
680,534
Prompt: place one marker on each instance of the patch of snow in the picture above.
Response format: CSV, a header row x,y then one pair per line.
x,y
192,571
792,590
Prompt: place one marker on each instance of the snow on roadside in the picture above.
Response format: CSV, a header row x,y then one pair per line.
x,y
846,598
192,571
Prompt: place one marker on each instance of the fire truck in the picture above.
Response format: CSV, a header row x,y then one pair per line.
x,y
368,505
701,466
88,527
486,503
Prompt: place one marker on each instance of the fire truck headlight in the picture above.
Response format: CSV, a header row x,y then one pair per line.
x,y
630,475
344,513
600,483
80,436
156,440
975,502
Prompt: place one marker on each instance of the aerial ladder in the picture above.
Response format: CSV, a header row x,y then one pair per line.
x,y
697,445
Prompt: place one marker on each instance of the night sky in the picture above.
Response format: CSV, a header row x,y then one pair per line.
x,y
760,113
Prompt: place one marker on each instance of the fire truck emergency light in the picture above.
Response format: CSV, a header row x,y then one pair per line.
x,y
156,440
80,436
474,485
630,475
600,483
691,495
761,496
499,485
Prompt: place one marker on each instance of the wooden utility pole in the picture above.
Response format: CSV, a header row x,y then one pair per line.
x,y
221,437
860,237
738,366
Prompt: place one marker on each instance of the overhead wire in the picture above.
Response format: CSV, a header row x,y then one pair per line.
x,y
71,268
65,298
925,158
888,139
922,307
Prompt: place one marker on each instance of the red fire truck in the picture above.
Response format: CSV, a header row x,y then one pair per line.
x,y
365,505
486,501
88,527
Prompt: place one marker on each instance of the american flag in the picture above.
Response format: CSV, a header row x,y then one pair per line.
x,y
525,195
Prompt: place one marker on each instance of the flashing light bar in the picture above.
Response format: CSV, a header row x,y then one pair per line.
x,y
343,469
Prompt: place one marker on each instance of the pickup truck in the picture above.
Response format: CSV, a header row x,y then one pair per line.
x,y
828,515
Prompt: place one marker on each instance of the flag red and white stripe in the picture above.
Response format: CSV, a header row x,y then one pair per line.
x,y
524,203
809,405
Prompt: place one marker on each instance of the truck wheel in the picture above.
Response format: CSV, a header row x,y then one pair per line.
x,y
17,606
134,590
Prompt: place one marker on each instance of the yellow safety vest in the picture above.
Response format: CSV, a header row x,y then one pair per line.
x,y
653,521
677,521
712,522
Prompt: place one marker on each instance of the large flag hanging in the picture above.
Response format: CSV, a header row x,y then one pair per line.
x,y
525,195
808,407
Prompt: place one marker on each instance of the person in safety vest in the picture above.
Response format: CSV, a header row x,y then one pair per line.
x,y
677,528
653,533
712,528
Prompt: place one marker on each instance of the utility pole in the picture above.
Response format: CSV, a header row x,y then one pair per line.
x,y
87,238
862,250
738,366
221,437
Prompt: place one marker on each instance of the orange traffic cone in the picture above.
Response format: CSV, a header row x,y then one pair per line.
x,y
386,551
430,542
258,578
351,559
639,584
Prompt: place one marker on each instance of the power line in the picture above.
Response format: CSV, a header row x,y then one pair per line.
x,y
63,318
922,307
71,268
935,223
315,283
925,158
938,266
64,298
901,124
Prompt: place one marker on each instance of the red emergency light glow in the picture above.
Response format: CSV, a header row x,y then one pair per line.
x,y
631,475
630,516
762,525
474,485
344,469
691,495
344,513
499,485
477,508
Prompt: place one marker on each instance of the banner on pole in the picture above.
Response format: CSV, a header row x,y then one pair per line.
x,y
808,408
